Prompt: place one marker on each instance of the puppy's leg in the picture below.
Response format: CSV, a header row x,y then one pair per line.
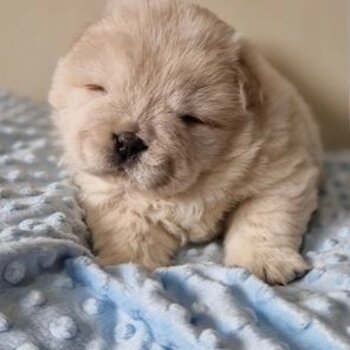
x,y
140,242
265,233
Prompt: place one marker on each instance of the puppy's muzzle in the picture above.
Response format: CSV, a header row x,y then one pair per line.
x,y
128,145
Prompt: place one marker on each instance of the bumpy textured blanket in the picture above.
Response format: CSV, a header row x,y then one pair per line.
x,y
53,295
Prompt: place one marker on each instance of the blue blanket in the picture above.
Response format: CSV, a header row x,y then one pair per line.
x,y
53,295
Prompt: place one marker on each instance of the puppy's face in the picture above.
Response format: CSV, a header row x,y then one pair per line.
x,y
150,95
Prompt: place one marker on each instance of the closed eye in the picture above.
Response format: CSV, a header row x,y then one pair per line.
x,y
95,88
189,119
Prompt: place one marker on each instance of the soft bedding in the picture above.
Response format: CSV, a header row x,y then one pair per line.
x,y
54,296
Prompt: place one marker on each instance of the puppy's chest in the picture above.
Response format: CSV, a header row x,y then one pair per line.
x,y
194,221
188,220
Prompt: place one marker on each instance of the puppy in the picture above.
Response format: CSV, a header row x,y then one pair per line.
x,y
177,130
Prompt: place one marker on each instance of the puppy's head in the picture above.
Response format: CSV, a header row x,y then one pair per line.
x,y
154,94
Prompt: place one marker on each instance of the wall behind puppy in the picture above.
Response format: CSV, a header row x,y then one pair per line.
x,y
306,40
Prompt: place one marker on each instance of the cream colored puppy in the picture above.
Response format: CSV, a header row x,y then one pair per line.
x,y
177,130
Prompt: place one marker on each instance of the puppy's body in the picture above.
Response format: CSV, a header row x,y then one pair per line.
x,y
247,165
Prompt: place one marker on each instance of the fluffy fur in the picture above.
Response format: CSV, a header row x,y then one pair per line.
x,y
249,166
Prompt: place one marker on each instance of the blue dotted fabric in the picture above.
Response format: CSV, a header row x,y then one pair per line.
x,y
53,295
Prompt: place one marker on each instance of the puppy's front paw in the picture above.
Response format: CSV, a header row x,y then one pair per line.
x,y
275,265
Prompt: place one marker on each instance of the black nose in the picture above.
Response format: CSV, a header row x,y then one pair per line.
x,y
128,145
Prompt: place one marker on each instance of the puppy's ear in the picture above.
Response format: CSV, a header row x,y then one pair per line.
x,y
251,94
